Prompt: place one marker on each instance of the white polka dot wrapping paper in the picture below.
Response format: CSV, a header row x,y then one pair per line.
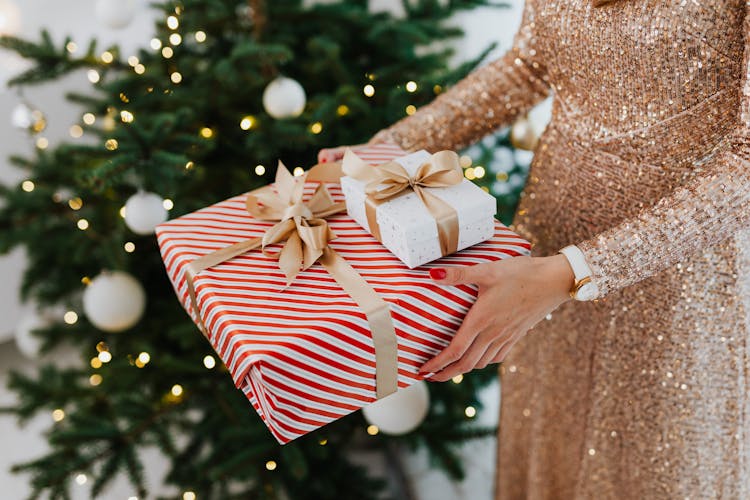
x,y
303,354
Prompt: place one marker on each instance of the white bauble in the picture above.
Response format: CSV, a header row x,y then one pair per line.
x,y
115,14
114,301
401,412
28,343
22,117
144,211
10,18
284,98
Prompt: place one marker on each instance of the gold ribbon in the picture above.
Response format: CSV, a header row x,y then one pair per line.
x,y
305,234
389,180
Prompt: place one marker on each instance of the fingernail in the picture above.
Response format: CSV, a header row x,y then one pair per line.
x,y
324,160
438,273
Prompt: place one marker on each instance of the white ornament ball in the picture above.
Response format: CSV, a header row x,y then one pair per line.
x,y
22,117
115,14
144,211
10,18
284,98
28,343
401,412
114,301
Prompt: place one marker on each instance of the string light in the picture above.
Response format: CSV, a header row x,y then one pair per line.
x,y
142,360
502,176
177,390
411,109
71,47
76,131
470,412
342,110
123,211
247,122
124,98
93,76
42,143
369,90
81,479
126,116
323,442
82,224
200,36
96,363
188,495
465,161
298,171
260,169
105,356
111,144
372,430
176,77
58,415
86,280
458,379
316,128
271,465
209,362
133,61
173,23
167,204
40,123
206,133
155,43
189,165
27,186
129,247
167,52
175,39
437,89
479,172
95,379
70,317
107,57
89,118
469,173
140,69
411,86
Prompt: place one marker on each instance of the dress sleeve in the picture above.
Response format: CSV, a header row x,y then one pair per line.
x,y
489,97
709,209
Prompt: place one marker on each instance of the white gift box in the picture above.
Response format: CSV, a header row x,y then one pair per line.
x,y
409,230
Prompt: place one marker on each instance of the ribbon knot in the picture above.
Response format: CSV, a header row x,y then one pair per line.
x,y
388,180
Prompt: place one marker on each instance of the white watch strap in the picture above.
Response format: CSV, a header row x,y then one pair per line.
x,y
577,261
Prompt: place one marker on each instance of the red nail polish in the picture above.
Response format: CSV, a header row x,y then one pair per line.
x,y
324,160
438,273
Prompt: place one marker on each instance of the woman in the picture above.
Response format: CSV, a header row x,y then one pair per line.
x,y
642,393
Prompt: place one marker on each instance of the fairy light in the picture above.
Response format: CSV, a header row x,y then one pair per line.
x,y
95,379
71,47
176,390
469,173
76,131
155,43
200,36
140,69
458,379
175,39
75,203
95,363
107,57
172,22
126,116
176,77
188,495
260,169
437,89
111,144
316,128
81,479
342,110
58,415
372,430
167,204
502,176
89,118
209,361
70,317
206,133
133,61
82,224
411,86
123,212
411,109
323,442
470,412
42,143
479,172
465,161
271,465
102,346
189,165
298,171
144,357
105,356
124,97
129,247
167,52
247,122
93,76
369,90
86,280
27,186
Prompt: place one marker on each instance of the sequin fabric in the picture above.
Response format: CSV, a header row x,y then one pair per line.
x,y
643,393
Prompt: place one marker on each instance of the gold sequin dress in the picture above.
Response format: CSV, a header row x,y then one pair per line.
x,y
642,394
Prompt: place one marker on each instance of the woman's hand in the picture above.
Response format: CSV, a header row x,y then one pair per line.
x,y
329,155
514,295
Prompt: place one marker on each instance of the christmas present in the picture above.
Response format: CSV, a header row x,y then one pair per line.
x,y
419,206
311,315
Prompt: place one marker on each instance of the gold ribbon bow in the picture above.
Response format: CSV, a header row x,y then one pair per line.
x,y
388,180
305,234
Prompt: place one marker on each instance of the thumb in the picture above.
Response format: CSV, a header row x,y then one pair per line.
x,y
458,275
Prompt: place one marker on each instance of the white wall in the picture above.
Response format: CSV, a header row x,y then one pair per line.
x,y
77,18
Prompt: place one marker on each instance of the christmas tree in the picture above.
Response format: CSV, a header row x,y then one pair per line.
x,y
223,90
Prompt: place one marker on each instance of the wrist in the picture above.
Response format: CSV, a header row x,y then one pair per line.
x,y
559,275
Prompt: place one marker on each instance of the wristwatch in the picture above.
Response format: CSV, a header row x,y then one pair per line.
x,y
584,288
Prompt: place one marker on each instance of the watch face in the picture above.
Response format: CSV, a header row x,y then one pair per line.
x,y
586,292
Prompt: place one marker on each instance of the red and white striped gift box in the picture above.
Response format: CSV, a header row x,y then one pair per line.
x,y
303,354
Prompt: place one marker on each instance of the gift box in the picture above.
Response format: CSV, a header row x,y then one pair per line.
x,y
304,351
422,208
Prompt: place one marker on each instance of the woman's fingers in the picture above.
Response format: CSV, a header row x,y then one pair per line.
x,y
500,356
468,361
491,353
461,343
330,155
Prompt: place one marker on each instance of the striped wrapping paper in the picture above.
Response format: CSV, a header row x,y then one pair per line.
x,y
303,354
